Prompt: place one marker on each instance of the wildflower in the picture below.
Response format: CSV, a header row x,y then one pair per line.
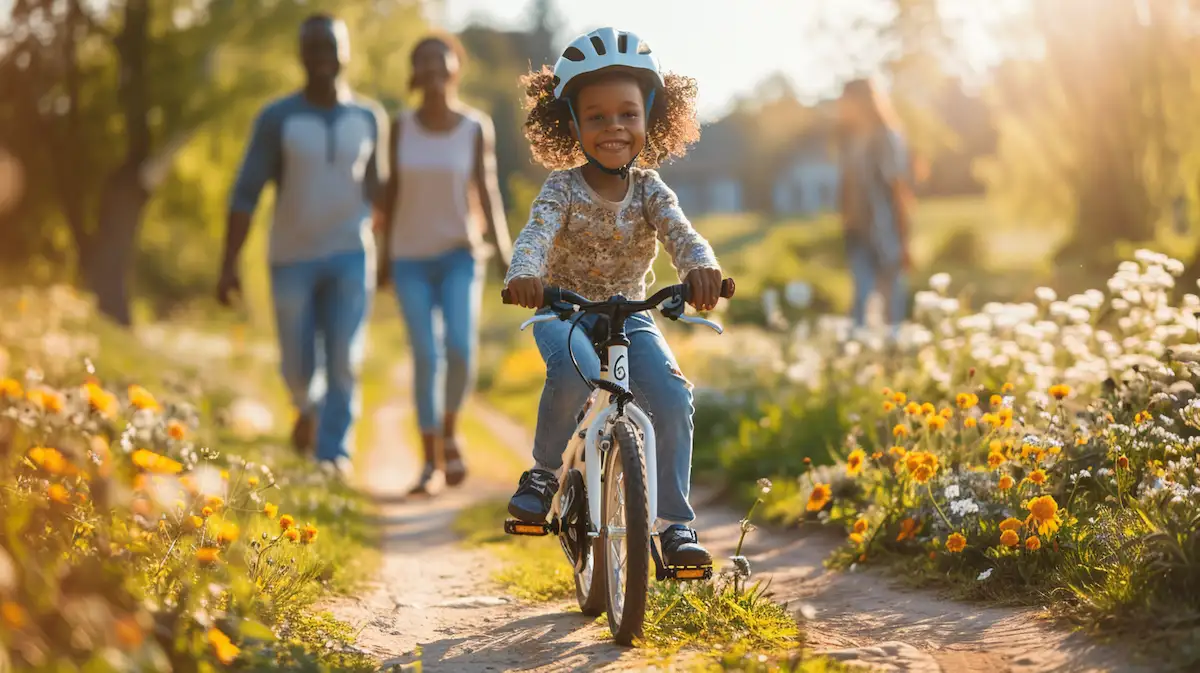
x,y
47,400
228,533
995,460
888,406
970,422
856,538
141,398
208,555
1037,477
928,408
952,491
1142,417
175,430
1011,523
935,422
1043,513
897,451
1060,391
1006,388
1009,538
11,389
13,615
1032,543
100,400
252,482
861,525
206,512
292,534
900,431
215,501
854,462
50,460
899,397
819,497
990,420
197,522
1123,462
912,409
270,510
155,463
995,400
1006,482
309,533
877,455
956,543
907,529
58,493
1005,415
984,575
223,648
887,392
966,400
286,521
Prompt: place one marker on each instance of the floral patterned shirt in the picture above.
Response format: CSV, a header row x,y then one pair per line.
x,y
580,241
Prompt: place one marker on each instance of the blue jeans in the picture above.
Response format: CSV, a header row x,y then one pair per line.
x,y
321,309
868,277
447,287
657,384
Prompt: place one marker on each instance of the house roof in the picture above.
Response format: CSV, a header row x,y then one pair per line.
x,y
720,150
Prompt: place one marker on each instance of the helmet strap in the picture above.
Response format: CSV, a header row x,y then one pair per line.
x,y
623,171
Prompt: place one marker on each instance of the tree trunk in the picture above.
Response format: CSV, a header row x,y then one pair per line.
x,y
107,262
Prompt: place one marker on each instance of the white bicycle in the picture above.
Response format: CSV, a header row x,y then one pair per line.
x,y
604,517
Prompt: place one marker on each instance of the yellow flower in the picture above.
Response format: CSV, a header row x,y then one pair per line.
x,y
196,522
990,420
877,455
141,398
928,408
966,400
155,463
888,406
1032,543
901,430
270,510
58,493
50,460
208,555
215,501
176,430
206,512
1142,417
310,533
47,400
854,462
1037,477
252,482
935,422
819,497
970,422
228,533
907,529
898,451
856,538
1009,538
11,388
947,413
1011,523
899,398
923,474
13,615
286,521
995,460
223,648
1060,391
861,525
1006,388
1043,514
1006,482
956,543
1006,416
1055,449
995,400
912,409
100,400
292,534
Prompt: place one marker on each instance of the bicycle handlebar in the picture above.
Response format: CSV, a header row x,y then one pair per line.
x,y
553,295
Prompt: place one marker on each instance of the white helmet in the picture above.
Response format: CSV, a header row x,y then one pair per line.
x,y
604,48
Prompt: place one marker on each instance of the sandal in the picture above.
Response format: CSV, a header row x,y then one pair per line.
x,y
432,482
456,470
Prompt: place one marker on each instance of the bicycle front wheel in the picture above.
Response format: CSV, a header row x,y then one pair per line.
x,y
625,534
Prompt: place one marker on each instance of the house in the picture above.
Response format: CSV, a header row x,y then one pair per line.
x,y
709,179
806,182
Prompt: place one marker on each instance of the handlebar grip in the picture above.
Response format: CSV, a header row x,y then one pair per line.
x,y
728,287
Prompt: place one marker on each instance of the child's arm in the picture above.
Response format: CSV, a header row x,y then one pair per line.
x,y
546,217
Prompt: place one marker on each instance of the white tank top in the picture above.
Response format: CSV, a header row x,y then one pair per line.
x,y
433,213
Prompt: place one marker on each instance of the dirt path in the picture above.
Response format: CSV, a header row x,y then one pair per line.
x,y
434,601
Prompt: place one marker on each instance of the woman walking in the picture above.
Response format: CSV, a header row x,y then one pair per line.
x,y
443,174
875,200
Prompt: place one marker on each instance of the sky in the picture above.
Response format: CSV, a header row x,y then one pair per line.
x,y
729,51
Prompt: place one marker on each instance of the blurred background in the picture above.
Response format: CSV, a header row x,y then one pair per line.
x,y
1053,137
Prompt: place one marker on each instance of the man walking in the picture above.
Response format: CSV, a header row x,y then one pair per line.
x,y
323,147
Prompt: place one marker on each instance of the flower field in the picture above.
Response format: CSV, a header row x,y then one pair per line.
x,y
139,533
1039,453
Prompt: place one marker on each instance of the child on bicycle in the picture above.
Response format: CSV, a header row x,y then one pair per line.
x,y
593,229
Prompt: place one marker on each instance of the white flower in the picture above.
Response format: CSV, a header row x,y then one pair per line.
x,y
984,575
1045,295
939,282
798,294
952,491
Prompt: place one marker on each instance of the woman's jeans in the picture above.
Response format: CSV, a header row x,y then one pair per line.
x,y
868,277
321,309
439,299
657,384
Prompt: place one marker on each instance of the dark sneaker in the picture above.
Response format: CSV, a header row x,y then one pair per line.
x,y
531,502
681,547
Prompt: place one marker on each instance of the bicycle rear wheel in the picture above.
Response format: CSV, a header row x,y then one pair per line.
x,y
584,552
625,534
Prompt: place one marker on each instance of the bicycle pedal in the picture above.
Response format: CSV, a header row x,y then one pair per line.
x,y
540,529
688,573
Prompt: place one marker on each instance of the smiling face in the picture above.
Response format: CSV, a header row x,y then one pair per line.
x,y
435,66
324,49
612,120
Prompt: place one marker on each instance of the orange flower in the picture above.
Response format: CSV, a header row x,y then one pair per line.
x,y
928,408
310,533
966,400
1142,417
129,632
947,413
990,420
228,533
1006,482
50,460
819,497
856,538
286,521
898,451
215,501
270,510
877,455
912,409
224,649
899,398
176,430
1037,477
1060,391
1043,514
11,389
861,525
1006,416
907,529
1123,462
155,463
995,460
100,400
208,555
141,398
900,430
13,615
1032,543
47,400
292,534
935,422
888,406
956,543
1006,388
1009,538
923,474
1011,523
206,512
854,462
58,493
970,422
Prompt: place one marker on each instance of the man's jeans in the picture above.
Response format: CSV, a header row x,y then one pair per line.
x,y
657,384
321,309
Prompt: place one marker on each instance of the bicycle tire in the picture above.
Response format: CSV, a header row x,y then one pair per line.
x,y
589,579
627,618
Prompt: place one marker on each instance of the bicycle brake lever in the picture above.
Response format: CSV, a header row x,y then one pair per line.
x,y
545,317
692,320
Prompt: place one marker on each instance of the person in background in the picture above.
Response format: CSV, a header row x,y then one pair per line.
x,y
443,173
323,147
875,199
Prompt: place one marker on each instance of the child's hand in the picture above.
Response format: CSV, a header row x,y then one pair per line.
x,y
704,288
526,292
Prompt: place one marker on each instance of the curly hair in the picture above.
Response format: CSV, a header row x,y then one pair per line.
x,y
671,126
